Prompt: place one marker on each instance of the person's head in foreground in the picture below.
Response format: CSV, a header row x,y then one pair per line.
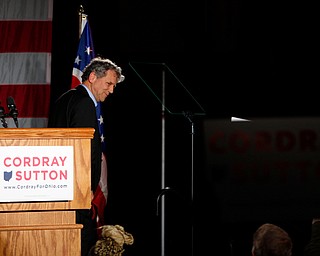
x,y
271,240
112,241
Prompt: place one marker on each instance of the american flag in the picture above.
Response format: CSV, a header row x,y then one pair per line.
x,y
84,55
85,51
25,59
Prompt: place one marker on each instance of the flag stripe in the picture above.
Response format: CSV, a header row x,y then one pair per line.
x,y
25,59
76,77
39,31
38,94
26,10
25,68
28,122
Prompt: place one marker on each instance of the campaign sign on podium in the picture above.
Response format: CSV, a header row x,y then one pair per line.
x,y
40,173
45,176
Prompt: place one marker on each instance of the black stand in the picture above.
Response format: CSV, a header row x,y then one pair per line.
x,y
188,100
13,112
189,117
2,117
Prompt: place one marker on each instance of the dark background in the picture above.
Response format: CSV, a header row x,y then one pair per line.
x,y
248,59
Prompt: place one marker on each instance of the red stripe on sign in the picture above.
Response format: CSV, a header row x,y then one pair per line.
x,y
31,100
26,36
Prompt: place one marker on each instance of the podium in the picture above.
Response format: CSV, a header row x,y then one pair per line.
x,y
40,228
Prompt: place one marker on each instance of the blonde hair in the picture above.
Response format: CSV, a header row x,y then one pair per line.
x,y
113,238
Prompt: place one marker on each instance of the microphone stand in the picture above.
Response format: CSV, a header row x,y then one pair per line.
x,y
4,123
2,116
12,113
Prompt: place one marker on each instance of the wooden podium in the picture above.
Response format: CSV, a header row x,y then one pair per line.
x,y
47,228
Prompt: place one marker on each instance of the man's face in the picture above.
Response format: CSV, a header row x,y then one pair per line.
x,y
102,87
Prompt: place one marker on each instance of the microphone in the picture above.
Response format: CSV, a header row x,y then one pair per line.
x,y
13,112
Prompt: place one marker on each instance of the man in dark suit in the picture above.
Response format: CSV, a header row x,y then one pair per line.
x,y
77,108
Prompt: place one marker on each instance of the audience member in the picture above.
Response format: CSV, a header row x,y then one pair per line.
x,y
113,239
271,240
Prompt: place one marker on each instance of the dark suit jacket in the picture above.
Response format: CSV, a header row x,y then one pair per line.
x,y
74,109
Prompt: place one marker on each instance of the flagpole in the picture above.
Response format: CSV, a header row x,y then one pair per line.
x,y
81,16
